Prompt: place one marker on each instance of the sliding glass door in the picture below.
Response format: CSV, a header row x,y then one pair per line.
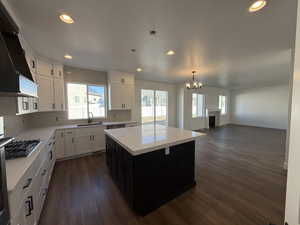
x,y
154,105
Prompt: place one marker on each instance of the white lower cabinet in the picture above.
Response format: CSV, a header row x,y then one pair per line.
x,y
32,188
69,143
78,141
26,200
60,144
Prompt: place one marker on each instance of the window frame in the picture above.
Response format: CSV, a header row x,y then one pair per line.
x,y
203,106
154,103
225,105
88,84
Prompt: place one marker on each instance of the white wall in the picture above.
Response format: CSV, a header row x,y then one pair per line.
x,y
172,99
261,107
292,209
211,94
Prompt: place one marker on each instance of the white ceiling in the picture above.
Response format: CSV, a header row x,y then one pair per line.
x,y
228,46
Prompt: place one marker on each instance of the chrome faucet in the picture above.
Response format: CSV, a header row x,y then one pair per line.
x,y
90,118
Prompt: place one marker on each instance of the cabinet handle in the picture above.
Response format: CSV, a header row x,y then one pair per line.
x,y
35,105
44,172
29,209
52,72
25,104
28,183
31,203
53,106
51,155
72,140
33,64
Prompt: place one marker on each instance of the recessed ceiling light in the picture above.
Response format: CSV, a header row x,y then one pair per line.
x,y
257,5
170,52
139,70
66,18
67,56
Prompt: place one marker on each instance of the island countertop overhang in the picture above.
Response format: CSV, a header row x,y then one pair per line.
x,y
147,138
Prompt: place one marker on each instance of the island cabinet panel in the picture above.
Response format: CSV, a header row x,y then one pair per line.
x,y
151,179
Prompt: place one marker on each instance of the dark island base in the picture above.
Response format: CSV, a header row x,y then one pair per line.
x,y
149,180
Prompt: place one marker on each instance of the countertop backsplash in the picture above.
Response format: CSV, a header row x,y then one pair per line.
x,y
14,124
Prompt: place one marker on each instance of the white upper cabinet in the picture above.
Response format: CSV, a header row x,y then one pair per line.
x,y
44,68
45,93
58,71
50,80
120,78
59,94
121,87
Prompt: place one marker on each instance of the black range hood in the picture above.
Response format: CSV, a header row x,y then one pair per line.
x,y
16,78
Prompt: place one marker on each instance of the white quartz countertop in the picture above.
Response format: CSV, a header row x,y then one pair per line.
x,y
146,138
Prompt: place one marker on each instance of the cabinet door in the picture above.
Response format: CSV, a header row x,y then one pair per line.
x,y
58,71
59,97
115,97
33,104
60,144
83,144
44,68
98,142
69,143
98,139
23,105
127,96
120,77
45,93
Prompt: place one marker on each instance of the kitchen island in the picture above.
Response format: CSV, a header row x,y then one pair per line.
x,y
151,164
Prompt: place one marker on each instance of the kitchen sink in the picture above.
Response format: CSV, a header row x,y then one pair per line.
x,y
89,124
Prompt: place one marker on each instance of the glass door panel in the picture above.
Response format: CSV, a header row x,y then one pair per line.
x,y
147,103
161,107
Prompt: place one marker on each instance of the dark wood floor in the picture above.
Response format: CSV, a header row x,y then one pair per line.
x,y
240,181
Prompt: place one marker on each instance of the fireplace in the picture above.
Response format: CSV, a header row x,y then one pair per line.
x,y
212,122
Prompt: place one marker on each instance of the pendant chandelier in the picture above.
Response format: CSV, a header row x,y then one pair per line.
x,y
193,84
